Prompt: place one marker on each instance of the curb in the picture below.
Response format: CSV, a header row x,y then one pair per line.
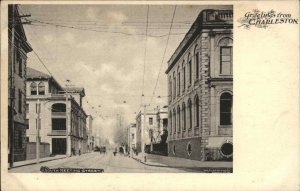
x,y
31,163
191,168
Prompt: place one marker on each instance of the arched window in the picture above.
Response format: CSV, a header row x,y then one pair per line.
x,y
58,107
225,45
196,53
170,87
226,109
197,118
190,114
174,113
184,74
190,68
41,88
33,88
179,119
184,116
178,79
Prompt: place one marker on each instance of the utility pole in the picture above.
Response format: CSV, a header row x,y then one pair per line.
x,y
38,127
12,90
68,143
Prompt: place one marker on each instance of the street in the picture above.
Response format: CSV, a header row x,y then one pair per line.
x,y
107,161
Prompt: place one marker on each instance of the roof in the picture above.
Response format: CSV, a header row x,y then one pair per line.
x,y
79,90
35,74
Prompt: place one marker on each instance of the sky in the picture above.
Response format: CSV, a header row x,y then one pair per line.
x,y
104,49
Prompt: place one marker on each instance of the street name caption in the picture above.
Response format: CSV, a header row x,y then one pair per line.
x,y
262,19
46,169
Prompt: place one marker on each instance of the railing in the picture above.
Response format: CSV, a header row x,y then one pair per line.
x,y
58,113
57,133
219,15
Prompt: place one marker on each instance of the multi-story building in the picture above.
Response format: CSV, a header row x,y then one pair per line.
x,y
162,122
200,89
89,126
131,136
58,112
145,129
18,49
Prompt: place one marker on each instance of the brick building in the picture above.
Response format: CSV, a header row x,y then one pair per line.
x,y
62,118
18,49
200,90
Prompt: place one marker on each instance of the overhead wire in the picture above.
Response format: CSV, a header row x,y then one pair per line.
x,y
153,93
145,54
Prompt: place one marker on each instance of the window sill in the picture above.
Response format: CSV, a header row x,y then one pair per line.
x,y
225,126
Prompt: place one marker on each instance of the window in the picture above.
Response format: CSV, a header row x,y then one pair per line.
x,y
184,116
33,88
179,119
41,88
197,64
132,136
226,60
170,87
20,66
150,121
189,149
178,83
170,118
196,54
27,139
190,113
197,111
174,86
58,107
190,71
174,113
226,109
184,78
59,124
20,101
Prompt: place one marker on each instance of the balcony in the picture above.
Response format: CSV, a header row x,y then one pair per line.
x,y
57,133
58,114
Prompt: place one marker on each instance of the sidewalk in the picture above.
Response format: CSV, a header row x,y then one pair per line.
x,y
33,161
175,162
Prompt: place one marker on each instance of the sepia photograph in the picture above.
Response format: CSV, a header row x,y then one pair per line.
x,y
123,88
150,95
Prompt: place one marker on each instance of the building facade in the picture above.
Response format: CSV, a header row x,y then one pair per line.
x,y
57,112
131,136
162,123
18,49
200,90
91,138
145,129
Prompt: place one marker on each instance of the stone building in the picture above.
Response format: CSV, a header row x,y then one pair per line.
x,y
62,118
200,89
91,138
162,123
18,47
145,129
131,136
